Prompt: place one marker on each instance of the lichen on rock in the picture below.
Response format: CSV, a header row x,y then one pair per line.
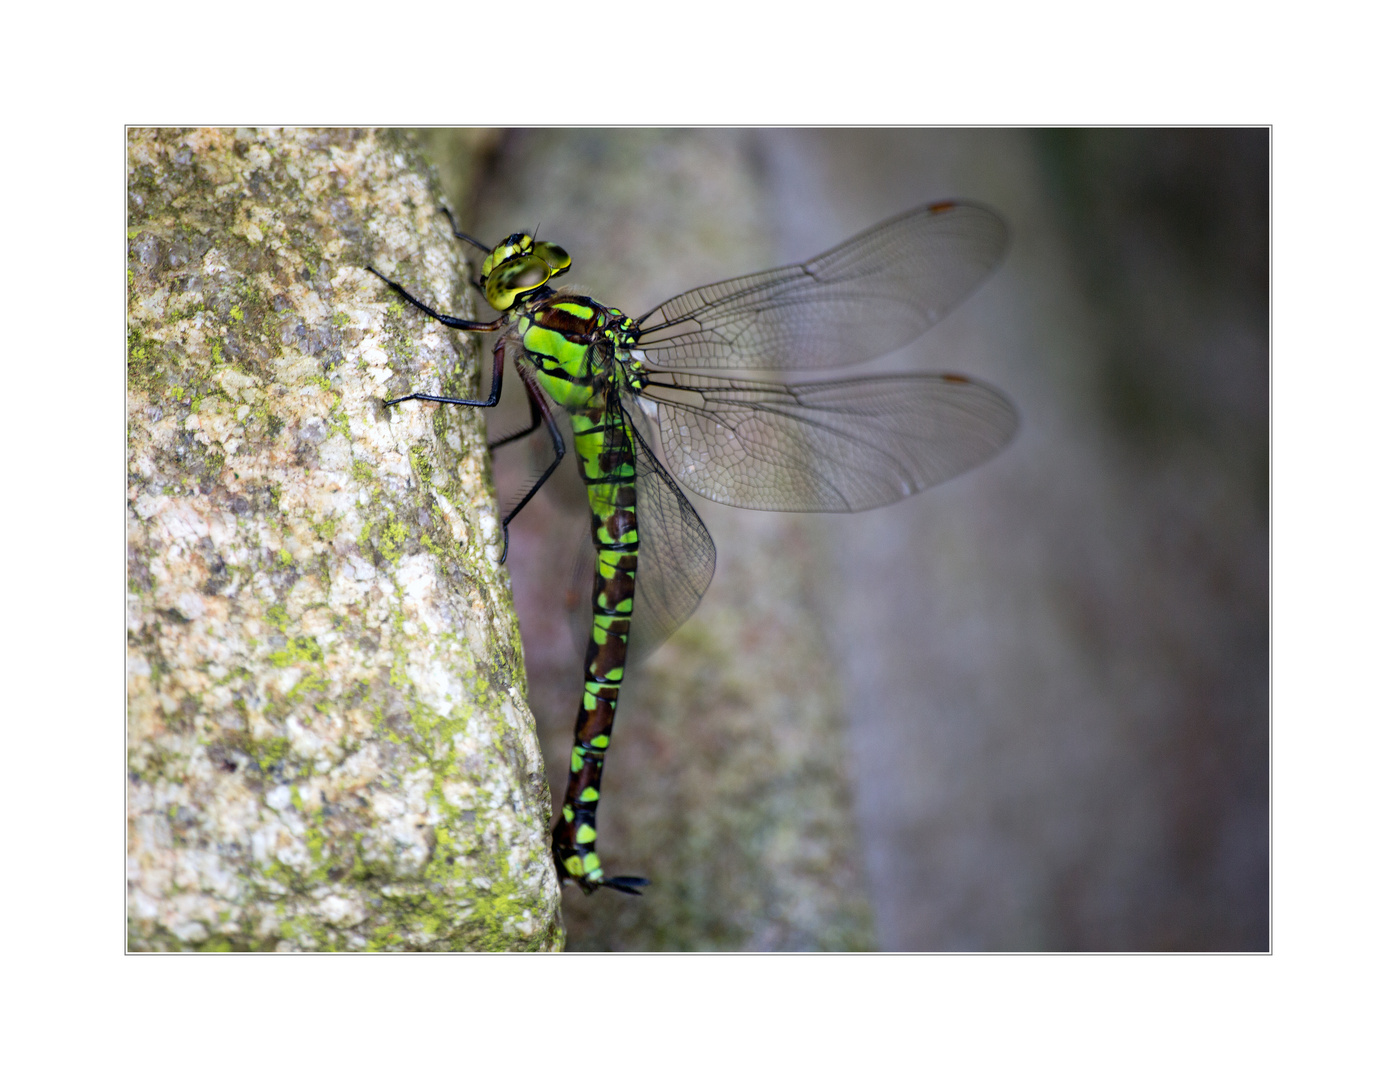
x,y
329,744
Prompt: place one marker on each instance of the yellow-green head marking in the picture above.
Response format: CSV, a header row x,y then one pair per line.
x,y
518,266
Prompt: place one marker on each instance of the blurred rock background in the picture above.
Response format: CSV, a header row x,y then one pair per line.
x,y
1026,710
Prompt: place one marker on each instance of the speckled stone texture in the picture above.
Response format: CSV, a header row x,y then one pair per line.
x,y
329,744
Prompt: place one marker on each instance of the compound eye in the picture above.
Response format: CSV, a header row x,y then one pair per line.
x,y
514,276
557,259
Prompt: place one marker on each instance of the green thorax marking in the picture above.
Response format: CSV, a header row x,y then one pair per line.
x,y
579,349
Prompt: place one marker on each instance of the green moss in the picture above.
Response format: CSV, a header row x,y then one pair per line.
x,y
383,937
302,241
421,465
326,528
360,471
339,421
391,538
315,844
431,545
268,753
277,616
499,907
142,360
177,315
301,650
311,684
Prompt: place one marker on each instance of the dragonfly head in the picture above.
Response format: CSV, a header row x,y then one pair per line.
x,y
518,266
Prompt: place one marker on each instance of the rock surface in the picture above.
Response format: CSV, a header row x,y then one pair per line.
x,y
329,743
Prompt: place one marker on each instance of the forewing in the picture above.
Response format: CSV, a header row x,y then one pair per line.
x,y
676,558
835,446
861,300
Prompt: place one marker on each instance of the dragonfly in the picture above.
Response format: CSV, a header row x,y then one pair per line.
x,y
676,378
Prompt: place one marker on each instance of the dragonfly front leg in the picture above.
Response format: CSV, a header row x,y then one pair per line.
x,y
456,324
445,320
496,379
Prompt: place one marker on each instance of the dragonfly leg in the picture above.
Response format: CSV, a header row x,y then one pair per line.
x,y
445,320
536,411
463,236
470,240
539,406
496,379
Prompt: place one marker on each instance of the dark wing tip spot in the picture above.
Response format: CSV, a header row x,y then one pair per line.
x,y
941,207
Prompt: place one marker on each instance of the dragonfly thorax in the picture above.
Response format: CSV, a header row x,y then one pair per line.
x,y
518,267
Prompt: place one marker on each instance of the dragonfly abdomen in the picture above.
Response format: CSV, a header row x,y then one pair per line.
x,y
606,460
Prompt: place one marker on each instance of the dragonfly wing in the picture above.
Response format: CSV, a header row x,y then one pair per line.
x,y
835,446
861,300
676,559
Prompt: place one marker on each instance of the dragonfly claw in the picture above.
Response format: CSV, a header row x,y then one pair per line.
x,y
630,885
